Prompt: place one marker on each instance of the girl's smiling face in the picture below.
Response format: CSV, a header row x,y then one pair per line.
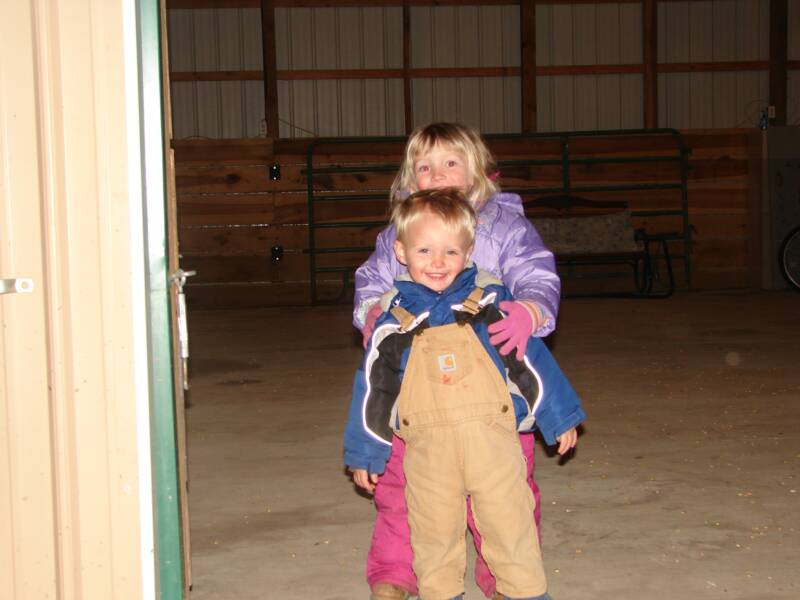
x,y
441,167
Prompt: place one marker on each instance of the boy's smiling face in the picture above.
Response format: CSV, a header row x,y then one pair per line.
x,y
433,252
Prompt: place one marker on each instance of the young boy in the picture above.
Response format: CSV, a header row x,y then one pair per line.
x,y
432,376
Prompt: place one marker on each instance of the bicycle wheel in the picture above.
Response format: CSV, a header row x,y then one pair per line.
x,y
789,258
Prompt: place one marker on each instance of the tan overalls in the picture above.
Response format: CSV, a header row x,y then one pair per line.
x,y
456,416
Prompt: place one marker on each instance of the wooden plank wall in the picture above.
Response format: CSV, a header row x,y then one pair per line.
x,y
231,213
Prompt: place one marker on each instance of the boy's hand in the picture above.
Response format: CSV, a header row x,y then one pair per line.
x,y
514,330
365,480
567,441
369,322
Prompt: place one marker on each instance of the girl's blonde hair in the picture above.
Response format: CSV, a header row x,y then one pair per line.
x,y
453,136
448,204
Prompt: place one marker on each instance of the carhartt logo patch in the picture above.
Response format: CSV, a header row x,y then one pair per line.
x,y
447,363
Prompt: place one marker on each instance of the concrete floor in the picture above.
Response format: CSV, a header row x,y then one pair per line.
x,y
685,482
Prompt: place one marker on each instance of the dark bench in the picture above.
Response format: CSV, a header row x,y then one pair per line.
x,y
584,234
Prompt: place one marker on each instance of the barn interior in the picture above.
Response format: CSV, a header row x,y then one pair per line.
x,y
654,145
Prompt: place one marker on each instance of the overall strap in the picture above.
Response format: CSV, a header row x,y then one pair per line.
x,y
404,318
472,302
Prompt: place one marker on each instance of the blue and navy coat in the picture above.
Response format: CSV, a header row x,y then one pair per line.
x,y
542,396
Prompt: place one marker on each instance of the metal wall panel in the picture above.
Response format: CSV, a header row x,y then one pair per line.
x,y
306,38
212,40
184,109
587,34
181,56
713,31
181,40
701,100
208,109
254,109
206,46
340,38
617,102
472,36
467,36
491,104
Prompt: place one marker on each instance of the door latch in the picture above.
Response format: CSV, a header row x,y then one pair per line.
x,y
178,279
21,285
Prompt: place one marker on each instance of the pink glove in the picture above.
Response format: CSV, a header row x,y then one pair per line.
x,y
369,322
514,330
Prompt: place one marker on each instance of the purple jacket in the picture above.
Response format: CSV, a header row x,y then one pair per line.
x,y
506,245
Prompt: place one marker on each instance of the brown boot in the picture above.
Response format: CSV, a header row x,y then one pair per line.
x,y
388,591
497,596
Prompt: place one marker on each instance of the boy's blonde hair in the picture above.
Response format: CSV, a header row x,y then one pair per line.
x,y
453,136
448,204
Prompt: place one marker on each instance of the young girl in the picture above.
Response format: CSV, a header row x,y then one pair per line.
x,y
506,245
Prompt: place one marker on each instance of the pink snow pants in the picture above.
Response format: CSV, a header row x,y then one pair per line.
x,y
390,555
